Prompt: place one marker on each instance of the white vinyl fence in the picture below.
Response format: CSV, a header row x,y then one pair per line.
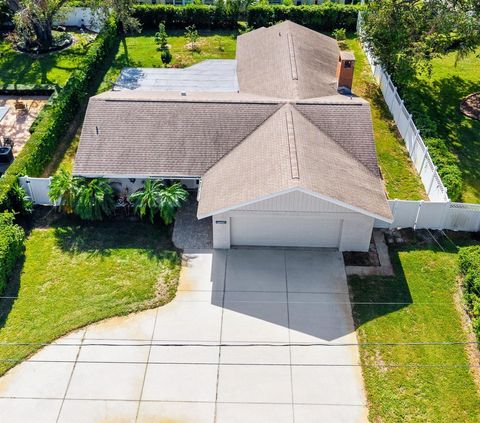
x,y
37,189
78,16
407,214
417,149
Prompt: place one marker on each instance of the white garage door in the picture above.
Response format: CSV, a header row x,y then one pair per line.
x,y
285,231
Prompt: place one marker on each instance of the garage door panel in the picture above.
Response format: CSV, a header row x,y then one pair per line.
x,y
286,231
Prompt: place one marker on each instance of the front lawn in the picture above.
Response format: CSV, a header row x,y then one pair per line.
x,y
437,97
78,273
417,305
141,51
18,68
401,179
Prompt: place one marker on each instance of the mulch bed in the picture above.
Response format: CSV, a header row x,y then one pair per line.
x,y
470,106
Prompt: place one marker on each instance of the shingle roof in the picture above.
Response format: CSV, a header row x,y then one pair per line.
x,y
287,60
289,152
288,128
155,134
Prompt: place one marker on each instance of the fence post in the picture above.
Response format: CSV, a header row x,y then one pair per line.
x,y
420,203
431,182
415,142
425,153
445,214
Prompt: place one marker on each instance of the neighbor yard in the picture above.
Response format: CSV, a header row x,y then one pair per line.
x,y
437,97
429,383
141,51
78,273
18,68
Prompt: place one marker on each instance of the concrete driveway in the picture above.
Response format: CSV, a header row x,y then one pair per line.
x,y
253,336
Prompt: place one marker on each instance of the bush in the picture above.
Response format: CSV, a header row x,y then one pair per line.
x,y
57,116
469,264
447,164
202,16
12,239
325,17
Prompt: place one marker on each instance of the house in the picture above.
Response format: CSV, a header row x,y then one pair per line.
x,y
284,161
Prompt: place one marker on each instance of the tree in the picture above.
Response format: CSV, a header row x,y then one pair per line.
x,y
62,190
191,34
34,19
161,38
93,199
405,35
122,10
156,198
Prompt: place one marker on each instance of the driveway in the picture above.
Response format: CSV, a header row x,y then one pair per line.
x,y
253,336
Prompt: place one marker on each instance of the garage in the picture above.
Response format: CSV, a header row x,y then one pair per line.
x,y
288,231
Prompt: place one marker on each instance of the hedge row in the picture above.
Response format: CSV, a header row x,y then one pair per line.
x,y
447,167
202,16
325,17
469,263
57,116
12,239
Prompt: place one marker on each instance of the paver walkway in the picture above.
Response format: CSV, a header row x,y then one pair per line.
x,y
253,336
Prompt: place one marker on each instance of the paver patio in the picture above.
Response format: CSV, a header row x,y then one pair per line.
x,y
234,346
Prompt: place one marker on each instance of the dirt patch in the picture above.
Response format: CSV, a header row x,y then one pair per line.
x,y
473,353
355,258
470,106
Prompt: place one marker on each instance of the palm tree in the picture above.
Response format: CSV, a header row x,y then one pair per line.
x,y
93,199
155,198
62,190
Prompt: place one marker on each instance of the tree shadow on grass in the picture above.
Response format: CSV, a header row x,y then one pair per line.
x,y
10,294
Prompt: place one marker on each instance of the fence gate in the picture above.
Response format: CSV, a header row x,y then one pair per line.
x,y
37,189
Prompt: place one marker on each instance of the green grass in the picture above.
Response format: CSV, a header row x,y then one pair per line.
x,y
141,51
18,68
426,281
401,179
438,98
78,273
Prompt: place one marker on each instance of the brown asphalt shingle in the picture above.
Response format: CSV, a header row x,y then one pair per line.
x,y
287,60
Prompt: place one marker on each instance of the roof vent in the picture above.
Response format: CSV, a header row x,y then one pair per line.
x,y
96,130
183,93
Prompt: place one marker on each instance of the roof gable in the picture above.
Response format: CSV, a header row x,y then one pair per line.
x,y
287,60
289,152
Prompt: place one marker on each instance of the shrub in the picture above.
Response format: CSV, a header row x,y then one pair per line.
x,y
166,56
469,264
12,239
56,117
339,34
325,17
447,164
202,16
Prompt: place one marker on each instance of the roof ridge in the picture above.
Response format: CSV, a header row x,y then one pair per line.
x,y
336,143
292,144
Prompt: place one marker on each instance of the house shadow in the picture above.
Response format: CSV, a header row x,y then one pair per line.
x,y
315,307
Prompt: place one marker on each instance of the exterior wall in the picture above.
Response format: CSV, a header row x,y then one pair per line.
x,y
356,233
295,201
356,228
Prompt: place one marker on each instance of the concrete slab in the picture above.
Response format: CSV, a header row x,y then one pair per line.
x,y
243,354
135,326
206,352
108,350
106,381
254,413
36,380
315,271
330,413
74,411
202,271
340,385
254,384
173,412
21,410
255,317
256,270
180,382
